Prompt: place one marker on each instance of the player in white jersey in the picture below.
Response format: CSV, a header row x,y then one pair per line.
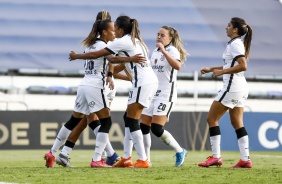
x,y
72,130
144,84
166,60
91,96
233,95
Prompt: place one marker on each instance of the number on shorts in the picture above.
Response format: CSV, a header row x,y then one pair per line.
x,y
162,106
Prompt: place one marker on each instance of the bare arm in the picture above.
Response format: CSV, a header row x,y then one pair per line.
x,y
117,74
88,55
205,70
242,66
174,63
121,76
138,58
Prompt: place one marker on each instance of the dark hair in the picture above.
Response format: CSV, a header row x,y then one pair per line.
x,y
103,15
97,29
243,29
130,26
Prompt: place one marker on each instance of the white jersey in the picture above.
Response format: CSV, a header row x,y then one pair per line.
x,y
234,82
142,74
95,69
167,76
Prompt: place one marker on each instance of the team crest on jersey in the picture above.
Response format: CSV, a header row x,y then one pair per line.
x,y
156,60
162,57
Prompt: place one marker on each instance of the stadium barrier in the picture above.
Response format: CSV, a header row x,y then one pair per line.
x,y
38,129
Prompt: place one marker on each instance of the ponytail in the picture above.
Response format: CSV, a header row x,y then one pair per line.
x,y
93,35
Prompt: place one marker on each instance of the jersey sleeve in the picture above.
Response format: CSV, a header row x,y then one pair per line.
x,y
116,46
237,49
173,52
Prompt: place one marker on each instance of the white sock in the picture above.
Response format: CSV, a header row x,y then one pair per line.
x,y
66,151
243,144
137,138
168,139
101,141
215,146
147,145
109,149
128,144
60,139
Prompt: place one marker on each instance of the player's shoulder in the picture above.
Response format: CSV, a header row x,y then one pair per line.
x,y
236,42
171,48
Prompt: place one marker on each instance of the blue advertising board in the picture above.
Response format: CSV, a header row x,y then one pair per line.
x,y
264,130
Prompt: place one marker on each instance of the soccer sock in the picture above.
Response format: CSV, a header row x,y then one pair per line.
x,y
109,149
60,139
215,141
243,143
147,139
138,143
168,139
147,145
67,148
128,144
137,137
101,140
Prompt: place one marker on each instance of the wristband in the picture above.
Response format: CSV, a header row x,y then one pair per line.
x,y
110,74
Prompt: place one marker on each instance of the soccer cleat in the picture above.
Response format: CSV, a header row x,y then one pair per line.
x,y
63,161
124,162
142,164
211,161
50,160
243,164
113,159
180,156
99,164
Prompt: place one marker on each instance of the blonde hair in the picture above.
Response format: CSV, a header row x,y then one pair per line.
x,y
97,29
177,42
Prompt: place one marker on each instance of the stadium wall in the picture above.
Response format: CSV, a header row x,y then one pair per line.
x,y
38,130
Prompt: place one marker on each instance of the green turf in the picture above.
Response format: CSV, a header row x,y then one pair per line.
x,y
27,166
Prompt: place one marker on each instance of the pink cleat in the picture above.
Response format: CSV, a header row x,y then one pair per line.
x,y
211,161
50,160
99,164
243,164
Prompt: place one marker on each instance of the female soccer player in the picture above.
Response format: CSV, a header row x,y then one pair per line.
x,y
234,93
91,94
144,82
166,60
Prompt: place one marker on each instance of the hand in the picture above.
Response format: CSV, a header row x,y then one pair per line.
x,y
160,46
205,70
71,55
138,58
110,82
216,73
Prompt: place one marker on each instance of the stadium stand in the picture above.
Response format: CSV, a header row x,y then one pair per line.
x,y
36,37
39,34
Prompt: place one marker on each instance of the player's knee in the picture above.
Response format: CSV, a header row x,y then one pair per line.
x,y
145,128
124,118
72,122
106,124
94,124
157,129
133,124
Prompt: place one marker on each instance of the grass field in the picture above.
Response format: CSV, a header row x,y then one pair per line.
x,y
27,166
